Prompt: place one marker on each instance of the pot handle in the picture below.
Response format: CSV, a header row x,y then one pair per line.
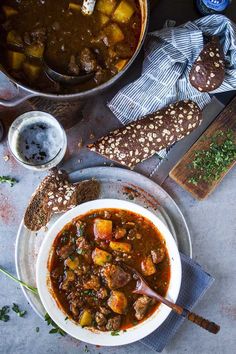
x,y
11,94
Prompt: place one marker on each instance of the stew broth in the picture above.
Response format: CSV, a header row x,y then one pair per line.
x,y
88,276
69,41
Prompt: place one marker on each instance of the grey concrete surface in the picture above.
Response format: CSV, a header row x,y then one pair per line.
x,y
213,231
212,226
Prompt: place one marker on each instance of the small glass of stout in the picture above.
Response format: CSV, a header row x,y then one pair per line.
x,y
37,140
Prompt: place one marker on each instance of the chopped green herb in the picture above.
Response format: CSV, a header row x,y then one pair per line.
x,y
17,310
72,257
115,333
37,329
56,328
208,165
9,180
80,251
3,313
131,197
86,349
193,180
81,230
88,292
66,318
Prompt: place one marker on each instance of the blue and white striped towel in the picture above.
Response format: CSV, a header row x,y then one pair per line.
x,y
169,55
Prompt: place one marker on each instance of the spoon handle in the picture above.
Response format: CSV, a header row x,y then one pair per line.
x,y
198,320
202,322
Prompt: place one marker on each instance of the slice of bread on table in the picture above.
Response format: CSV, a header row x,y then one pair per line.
x,y
56,194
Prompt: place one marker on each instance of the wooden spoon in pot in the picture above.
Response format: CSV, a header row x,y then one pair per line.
x,y
143,288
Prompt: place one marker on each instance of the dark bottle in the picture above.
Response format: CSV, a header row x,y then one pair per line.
x,y
208,7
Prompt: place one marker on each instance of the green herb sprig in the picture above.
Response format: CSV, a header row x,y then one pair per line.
x,y
17,310
9,275
4,313
56,328
9,180
115,333
209,165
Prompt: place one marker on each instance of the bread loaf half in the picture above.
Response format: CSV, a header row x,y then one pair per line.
x,y
143,138
208,71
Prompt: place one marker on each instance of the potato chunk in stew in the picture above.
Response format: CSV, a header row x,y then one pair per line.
x,y
120,246
117,302
89,274
148,267
113,34
103,229
106,6
123,12
86,318
101,257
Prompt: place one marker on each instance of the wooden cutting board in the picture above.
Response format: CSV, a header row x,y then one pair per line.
x,y
181,173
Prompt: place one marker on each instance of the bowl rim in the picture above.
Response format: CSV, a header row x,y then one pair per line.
x,y
104,338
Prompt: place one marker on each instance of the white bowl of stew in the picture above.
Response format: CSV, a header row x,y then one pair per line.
x,y
82,277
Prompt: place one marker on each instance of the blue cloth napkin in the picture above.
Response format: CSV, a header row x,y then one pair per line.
x,y
195,283
169,55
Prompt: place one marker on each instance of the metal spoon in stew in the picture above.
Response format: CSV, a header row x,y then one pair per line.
x,y
88,7
143,288
66,79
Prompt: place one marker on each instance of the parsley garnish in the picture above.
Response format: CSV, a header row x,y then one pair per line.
x,y
80,229
37,329
115,333
88,292
3,313
80,251
17,310
9,180
56,328
86,349
208,165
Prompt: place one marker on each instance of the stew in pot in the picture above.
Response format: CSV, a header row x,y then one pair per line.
x,y
57,32
88,276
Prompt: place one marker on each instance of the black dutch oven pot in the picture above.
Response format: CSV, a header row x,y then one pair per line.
x,y
13,93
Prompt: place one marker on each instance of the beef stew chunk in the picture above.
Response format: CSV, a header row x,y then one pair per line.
x,y
141,306
88,272
158,255
114,323
70,42
115,276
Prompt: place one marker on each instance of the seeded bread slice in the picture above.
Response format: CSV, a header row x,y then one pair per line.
x,y
56,194
140,140
208,71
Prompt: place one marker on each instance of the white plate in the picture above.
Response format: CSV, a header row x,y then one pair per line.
x,y
115,183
